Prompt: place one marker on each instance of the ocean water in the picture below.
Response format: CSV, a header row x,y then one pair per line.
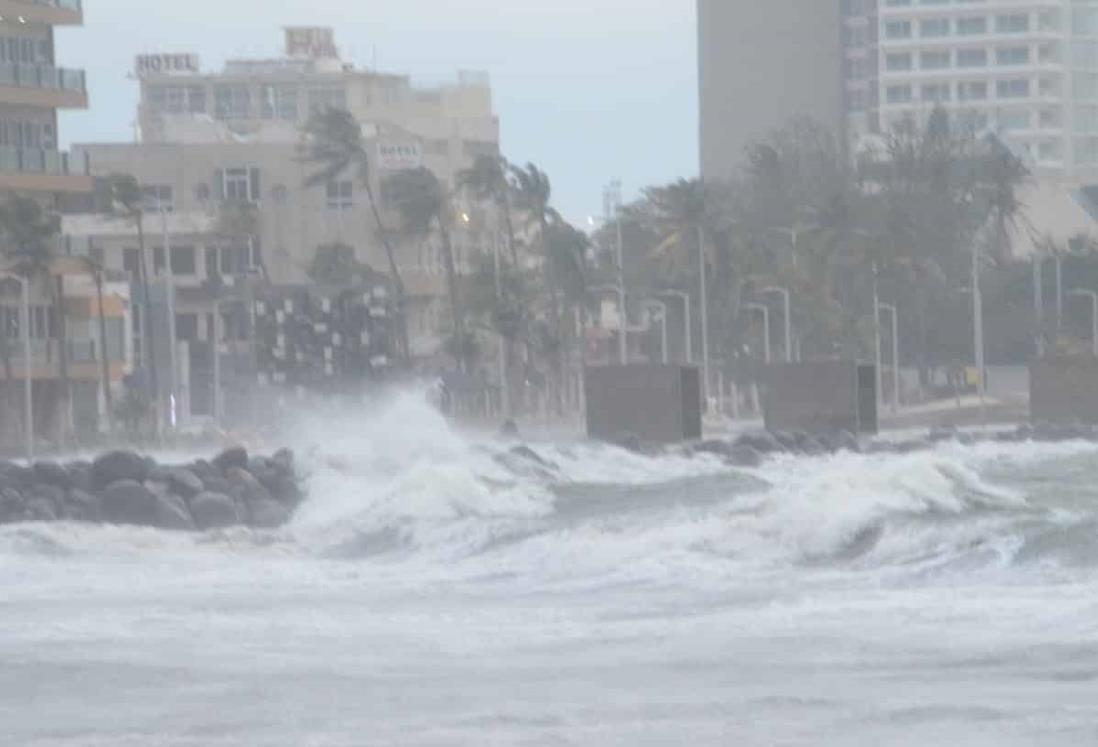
x,y
431,592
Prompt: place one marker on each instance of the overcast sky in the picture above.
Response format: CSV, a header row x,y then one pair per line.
x,y
589,90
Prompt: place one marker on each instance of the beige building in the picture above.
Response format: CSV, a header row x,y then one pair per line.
x,y
761,63
32,90
235,135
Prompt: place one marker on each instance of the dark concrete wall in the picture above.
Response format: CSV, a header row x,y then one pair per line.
x,y
657,404
1064,389
820,397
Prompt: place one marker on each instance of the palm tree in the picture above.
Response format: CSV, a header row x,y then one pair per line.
x,y
97,272
488,180
423,205
128,201
334,144
30,231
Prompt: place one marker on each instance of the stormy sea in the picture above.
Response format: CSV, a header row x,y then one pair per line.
x,y
441,588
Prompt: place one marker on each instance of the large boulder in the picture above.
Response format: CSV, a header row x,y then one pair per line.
x,y
246,485
80,505
40,508
11,505
52,473
130,502
284,458
267,514
184,482
214,511
82,476
744,456
118,466
17,476
236,457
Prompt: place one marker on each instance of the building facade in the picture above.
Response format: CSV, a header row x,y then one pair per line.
x,y
94,305
761,64
236,135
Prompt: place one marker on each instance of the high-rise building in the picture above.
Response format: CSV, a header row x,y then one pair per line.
x,y
761,63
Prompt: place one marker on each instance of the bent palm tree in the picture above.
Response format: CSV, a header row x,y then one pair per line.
x,y
423,205
334,144
488,180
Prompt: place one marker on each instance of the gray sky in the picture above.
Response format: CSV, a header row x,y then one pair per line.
x,y
589,90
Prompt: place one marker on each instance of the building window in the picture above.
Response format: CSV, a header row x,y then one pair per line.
x,y
1016,23
341,195
1012,89
239,184
186,327
936,93
971,26
158,197
321,99
898,94
1012,56
972,58
934,27
934,60
898,30
131,261
183,261
232,102
1014,120
972,91
898,62
279,102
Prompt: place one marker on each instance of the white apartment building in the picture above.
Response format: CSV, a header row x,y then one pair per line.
x,y
1026,70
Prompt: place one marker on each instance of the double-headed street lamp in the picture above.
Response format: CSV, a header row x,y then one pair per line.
x,y
1081,293
28,365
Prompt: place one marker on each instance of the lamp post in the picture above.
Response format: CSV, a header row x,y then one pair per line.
x,y
662,308
1081,293
28,365
765,311
173,378
891,309
784,293
688,329
704,311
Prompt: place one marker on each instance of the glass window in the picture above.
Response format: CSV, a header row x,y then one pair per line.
x,y
158,197
934,60
971,58
232,102
1015,23
1012,89
898,62
327,98
898,30
898,94
183,260
934,27
972,26
340,195
279,102
1012,56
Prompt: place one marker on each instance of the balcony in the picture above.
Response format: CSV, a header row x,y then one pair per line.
x,y
50,12
42,85
40,170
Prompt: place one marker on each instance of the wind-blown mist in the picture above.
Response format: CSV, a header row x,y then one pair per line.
x,y
438,588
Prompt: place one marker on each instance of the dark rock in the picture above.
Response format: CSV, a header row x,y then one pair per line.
x,y
184,482
172,513
80,505
714,447
202,469
744,456
160,473
509,429
11,505
51,494
214,511
787,441
53,473
941,433
764,443
217,484
235,457
267,514
82,476
248,486
525,452
129,502
119,466
19,477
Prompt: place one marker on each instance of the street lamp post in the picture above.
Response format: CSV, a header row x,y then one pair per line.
x,y
28,366
173,378
891,309
704,311
688,328
1080,293
784,292
765,311
662,307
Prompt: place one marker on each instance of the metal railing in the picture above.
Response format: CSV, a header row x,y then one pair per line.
x,y
42,76
40,161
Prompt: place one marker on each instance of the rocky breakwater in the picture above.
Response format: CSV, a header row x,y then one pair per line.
x,y
123,487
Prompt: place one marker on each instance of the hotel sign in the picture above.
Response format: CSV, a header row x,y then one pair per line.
x,y
399,156
166,64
